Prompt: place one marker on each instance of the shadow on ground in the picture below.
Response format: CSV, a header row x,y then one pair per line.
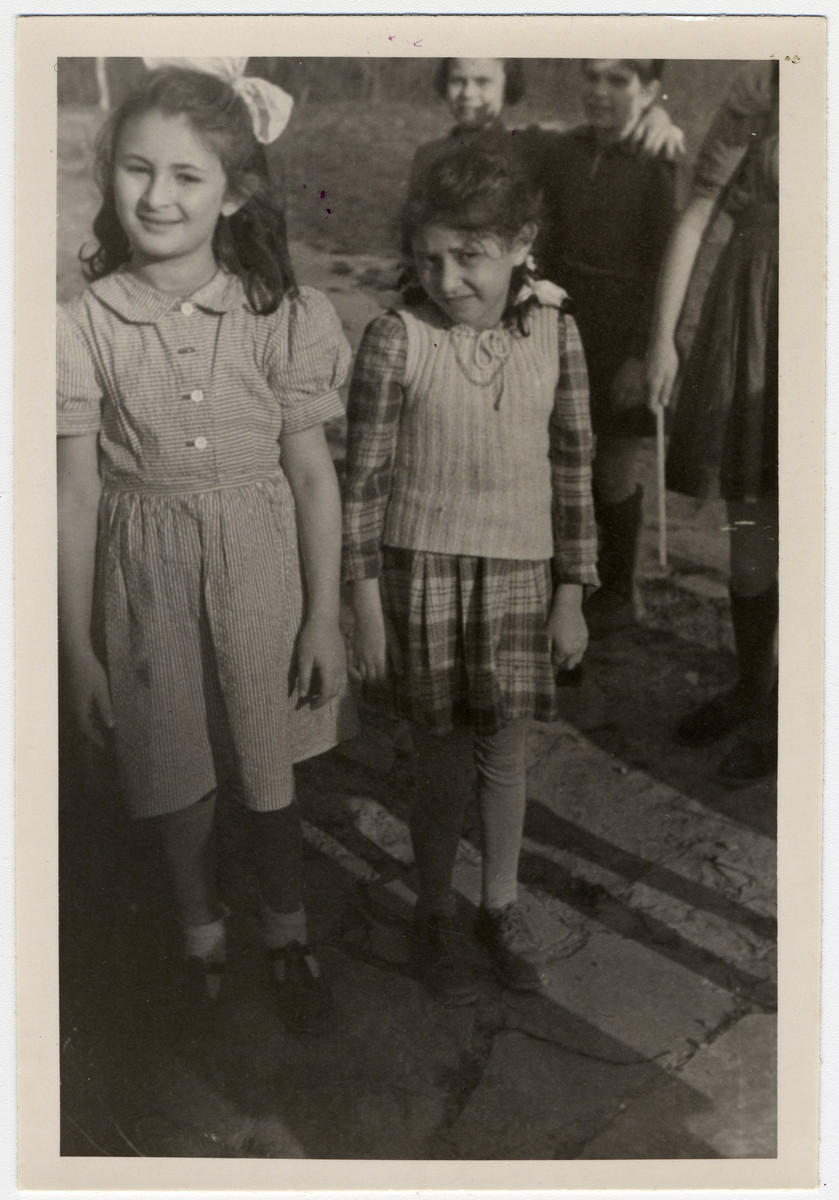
x,y
399,1077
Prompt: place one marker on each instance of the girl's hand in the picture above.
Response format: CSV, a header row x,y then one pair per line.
x,y
660,371
566,627
90,698
375,646
627,388
655,134
369,657
321,662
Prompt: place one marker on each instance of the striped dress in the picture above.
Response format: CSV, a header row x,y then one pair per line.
x,y
198,595
468,495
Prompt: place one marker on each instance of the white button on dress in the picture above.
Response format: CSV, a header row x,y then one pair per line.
x,y
187,308
200,443
196,396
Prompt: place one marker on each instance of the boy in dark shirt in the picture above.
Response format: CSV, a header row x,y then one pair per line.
x,y
608,212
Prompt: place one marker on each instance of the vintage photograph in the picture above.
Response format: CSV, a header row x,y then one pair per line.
x,y
417,523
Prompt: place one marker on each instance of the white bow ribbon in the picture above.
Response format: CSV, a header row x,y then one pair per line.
x,y
547,293
269,106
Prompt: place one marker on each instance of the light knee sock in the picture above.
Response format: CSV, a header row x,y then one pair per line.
x,y
281,929
207,942
502,797
284,929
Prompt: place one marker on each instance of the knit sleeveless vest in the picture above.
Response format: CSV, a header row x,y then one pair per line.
x,y
471,472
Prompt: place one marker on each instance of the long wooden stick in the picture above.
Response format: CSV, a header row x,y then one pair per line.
x,y
662,502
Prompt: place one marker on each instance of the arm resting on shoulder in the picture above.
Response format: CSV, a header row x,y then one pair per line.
x,y
654,133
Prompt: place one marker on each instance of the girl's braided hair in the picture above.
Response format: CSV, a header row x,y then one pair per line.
x,y
252,242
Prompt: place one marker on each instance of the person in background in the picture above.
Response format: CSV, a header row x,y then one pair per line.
x,y
194,478
608,213
469,535
725,433
478,90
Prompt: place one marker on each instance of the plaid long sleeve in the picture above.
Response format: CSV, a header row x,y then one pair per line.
x,y
571,451
373,412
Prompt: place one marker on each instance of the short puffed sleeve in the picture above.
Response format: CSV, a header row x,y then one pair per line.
x,y
741,117
310,363
79,391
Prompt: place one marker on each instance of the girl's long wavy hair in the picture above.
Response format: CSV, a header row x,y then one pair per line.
x,y
475,192
252,242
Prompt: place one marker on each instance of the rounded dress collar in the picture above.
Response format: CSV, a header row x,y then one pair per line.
x,y
142,304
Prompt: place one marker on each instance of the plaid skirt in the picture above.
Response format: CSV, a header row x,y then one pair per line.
x,y
472,637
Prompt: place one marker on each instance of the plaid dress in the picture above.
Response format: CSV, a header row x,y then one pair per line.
x,y
198,595
471,630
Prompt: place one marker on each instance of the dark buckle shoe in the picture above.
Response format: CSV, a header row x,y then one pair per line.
x,y
511,947
195,1001
203,980
715,718
439,950
304,998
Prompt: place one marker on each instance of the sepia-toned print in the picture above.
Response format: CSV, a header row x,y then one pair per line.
x,y
420,509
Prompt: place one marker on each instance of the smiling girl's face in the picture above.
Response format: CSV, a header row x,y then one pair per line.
x,y
468,274
170,189
475,90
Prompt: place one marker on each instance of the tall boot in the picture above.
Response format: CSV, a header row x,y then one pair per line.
x,y
755,619
617,603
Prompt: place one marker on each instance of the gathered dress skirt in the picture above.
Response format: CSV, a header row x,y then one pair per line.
x,y
199,601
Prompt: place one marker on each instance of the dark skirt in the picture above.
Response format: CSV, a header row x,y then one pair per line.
x,y
724,440
473,639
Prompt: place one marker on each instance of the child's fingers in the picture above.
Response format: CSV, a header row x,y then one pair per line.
x,y
331,679
304,677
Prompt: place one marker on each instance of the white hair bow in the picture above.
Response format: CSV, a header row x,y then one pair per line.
x,y
269,106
